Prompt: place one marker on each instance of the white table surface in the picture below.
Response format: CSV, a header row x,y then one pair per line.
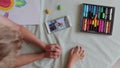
x,y
71,8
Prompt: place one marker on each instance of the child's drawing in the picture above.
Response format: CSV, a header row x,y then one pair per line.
x,y
24,12
6,5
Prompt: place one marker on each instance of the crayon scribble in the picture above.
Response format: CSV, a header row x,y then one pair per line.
x,y
6,14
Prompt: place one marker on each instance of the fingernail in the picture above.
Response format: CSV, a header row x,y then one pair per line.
x,y
80,47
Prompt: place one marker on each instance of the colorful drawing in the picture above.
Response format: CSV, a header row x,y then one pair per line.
x,y
6,4
21,11
20,3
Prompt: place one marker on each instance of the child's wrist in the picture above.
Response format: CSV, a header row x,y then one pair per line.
x,y
43,46
42,55
45,55
69,65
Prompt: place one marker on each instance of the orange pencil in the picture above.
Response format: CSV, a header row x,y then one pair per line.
x,y
85,26
109,27
95,20
106,27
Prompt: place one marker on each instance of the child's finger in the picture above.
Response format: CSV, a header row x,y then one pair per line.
x,y
76,49
82,56
82,53
52,48
57,50
54,55
57,46
72,51
80,50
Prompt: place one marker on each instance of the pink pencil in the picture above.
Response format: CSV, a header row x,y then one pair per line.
x,y
99,26
102,25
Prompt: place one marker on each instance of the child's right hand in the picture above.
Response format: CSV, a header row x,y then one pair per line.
x,y
53,47
53,55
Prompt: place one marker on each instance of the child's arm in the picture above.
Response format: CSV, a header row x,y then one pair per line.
x,y
29,58
26,59
28,36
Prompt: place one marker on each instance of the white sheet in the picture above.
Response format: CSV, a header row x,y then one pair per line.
x,y
101,51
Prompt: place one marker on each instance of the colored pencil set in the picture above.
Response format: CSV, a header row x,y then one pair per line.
x,y
97,19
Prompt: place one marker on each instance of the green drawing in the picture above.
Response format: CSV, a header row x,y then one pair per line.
x,y
20,3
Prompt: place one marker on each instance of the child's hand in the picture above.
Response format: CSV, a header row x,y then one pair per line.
x,y
53,55
52,51
53,48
